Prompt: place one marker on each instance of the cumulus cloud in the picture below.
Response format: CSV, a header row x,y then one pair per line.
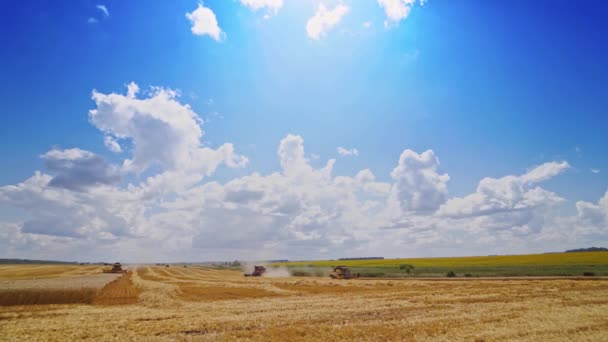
x,y
324,20
65,210
204,22
76,169
112,144
132,90
81,198
165,133
593,217
299,210
507,194
159,205
347,152
397,10
418,187
293,160
272,6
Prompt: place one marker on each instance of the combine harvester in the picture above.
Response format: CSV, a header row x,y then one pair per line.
x,y
258,271
342,272
116,268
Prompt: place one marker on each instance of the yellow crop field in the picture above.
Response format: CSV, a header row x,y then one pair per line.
x,y
52,284
177,303
33,271
583,258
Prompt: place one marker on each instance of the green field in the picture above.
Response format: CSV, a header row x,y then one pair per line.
x,y
555,264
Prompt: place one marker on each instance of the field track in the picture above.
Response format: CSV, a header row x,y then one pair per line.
x,y
118,292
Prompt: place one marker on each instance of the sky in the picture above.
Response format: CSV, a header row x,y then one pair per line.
x,y
280,129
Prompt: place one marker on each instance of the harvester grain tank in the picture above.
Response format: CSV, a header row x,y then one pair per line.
x,y
258,271
342,272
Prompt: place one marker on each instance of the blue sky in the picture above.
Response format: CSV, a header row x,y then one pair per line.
x,y
493,89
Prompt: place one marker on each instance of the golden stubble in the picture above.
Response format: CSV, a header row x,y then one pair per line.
x,y
178,303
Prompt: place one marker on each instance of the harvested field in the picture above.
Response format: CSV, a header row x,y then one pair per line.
x,y
204,304
118,292
47,296
96,281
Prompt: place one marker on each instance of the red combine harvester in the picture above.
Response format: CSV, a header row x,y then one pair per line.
x,y
258,271
342,272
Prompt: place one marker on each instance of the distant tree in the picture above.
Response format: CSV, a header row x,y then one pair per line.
x,y
406,267
451,274
590,249
236,263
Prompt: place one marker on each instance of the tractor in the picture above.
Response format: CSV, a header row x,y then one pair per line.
x,y
342,272
258,271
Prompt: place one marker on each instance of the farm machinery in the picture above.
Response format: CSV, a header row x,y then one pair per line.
x,y
258,271
116,268
342,272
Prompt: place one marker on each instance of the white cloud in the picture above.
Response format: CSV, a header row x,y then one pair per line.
x,y
347,152
367,24
544,172
397,10
293,160
78,207
112,144
82,207
204,22
92,20
418,187
272,6
507,194
297,211
76,169
165,133
82,199
71,154
595,171
132,90
593,218
324,20
104,10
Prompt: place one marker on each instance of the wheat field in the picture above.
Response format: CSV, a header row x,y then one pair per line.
x,y
177,303
33,271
